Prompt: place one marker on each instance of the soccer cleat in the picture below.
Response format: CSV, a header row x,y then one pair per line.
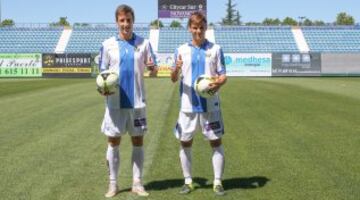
x,y
139,190
186,188
219,190
113,190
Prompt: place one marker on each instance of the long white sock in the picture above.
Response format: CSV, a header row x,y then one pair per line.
x,y
218,161
113,159
185,159
137,163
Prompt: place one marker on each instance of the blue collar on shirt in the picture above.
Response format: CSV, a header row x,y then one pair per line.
x,y
204,45
131,40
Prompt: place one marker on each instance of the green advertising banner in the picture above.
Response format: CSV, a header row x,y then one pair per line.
x,y
20,65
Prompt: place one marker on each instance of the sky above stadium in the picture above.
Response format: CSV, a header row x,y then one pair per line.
x,y
45,11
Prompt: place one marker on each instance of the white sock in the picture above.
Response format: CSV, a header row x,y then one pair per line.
x,y
113,159
137,163
218,161
185,159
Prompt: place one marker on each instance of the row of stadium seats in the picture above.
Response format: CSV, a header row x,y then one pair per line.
x,y
88,40
256,39
171,38
34,40
333,40
245,39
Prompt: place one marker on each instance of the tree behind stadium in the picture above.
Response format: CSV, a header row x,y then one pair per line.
x,y
7,22
62,22
344,19
233,16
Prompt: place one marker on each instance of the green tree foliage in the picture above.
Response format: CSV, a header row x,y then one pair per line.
x,y
7,22
271,22
344,19
156,23
175,24
289,21
62,22
253,24
237,20
307,22
233,16
318,23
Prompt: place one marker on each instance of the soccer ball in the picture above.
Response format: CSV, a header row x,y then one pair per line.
x,y
202,85
107,81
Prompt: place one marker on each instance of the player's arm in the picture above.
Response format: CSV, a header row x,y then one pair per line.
x,y
220,80
177,67
150,62
104,61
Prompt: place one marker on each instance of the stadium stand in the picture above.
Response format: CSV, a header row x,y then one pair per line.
x,y
255,39
236,39
171,38
88,40
333,39
29,40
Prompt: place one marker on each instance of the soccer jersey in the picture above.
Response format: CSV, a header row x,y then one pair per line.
x,y
208,59
128,58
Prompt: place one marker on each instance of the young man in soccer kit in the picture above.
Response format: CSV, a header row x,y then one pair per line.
x,y
127,54
193,59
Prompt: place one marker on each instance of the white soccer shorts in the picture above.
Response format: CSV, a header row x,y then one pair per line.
x,y
118,122
210,123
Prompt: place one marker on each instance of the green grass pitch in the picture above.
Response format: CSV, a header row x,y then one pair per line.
x,y
286,138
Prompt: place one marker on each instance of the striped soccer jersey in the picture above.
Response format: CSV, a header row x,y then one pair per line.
x,y
128,58
208,59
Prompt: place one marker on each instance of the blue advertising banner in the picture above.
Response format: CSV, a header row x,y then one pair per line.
x,y
248,64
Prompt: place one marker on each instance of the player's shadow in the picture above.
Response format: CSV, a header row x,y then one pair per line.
x,y
172,183
199,182
245,183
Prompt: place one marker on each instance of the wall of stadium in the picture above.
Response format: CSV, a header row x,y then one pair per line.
x,y
237,64
346,64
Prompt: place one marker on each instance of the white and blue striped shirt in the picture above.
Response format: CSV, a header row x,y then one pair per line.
x,y
128,58
208,59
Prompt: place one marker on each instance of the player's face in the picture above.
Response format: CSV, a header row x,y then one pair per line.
x,y
125,23
198,31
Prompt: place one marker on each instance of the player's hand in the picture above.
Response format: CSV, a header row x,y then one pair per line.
x,y
106,93
215,86
153,73
151,67
179,63
150,64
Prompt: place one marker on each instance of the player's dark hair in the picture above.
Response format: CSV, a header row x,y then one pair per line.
x,y
125,9
196,17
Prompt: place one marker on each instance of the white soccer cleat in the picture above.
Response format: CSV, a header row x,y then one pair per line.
x,y
113,190
139,190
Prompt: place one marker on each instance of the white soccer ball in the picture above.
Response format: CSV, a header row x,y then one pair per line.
x,y
107,81
202,86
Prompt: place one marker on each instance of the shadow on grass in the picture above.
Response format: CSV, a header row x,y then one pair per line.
x,y
233,183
